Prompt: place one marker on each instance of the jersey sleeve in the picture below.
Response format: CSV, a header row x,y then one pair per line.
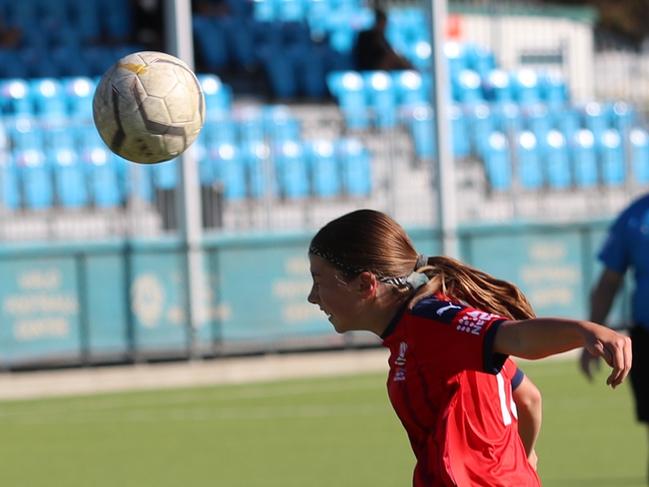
x,y
454,337
614,253
511,372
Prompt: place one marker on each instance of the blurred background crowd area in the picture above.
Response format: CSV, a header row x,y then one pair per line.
x,y
547,114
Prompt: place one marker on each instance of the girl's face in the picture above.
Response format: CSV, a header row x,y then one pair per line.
x,y
339,299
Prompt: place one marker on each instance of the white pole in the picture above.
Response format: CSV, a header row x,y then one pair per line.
x,y
179,42
445,181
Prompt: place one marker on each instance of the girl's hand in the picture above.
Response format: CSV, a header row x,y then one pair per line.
x,y
613,347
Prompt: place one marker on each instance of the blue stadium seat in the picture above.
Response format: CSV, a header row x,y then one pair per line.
x,y
220,129
256,160
595,118
280,124
25,133
554,89
291,170
623,117
566,120
48,98
36,177
325,171
250,124
231,171
15,97
461,130
312,64
355,164
508,118
497,162
612,158
207,171
639,142
526,86
538,120
104,182
422,126
467,87
218,96
210,42
279,69
498,87
79,91
558,167
420,55
349,89
410,88
480,125
69,178
528,155
264,10
382,98
456,56
480,59
584,159
291,10
9,183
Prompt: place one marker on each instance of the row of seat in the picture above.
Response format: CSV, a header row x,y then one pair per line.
x,y
92,176
558,163
472,125
386,92
71,97
46,22
61,60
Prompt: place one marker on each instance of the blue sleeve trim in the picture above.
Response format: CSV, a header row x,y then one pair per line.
x,y
492,362
517,379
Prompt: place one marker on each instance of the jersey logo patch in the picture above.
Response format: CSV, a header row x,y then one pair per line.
x,y
443,311
473,321
400,362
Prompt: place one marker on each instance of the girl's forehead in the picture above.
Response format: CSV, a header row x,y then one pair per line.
x,y
320,265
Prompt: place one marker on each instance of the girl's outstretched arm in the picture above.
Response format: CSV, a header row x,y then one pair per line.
x,y
540,337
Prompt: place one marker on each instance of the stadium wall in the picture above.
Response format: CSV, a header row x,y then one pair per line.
x,y
123,301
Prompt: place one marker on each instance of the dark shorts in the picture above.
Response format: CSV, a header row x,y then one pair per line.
x,y
640,372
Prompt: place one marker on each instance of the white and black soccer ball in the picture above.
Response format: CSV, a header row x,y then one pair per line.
x,y
148,107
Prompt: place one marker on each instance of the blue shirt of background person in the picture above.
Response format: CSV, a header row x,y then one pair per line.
x,y
627,247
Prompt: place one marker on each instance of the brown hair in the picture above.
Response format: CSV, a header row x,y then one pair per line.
x,y
368,240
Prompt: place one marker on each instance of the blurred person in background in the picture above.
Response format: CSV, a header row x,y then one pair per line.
x,y
626,248
450,329
372,50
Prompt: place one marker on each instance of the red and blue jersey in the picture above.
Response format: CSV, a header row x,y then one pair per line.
x,y
453,395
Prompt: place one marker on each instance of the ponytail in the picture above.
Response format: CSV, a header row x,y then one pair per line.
x,y
476,288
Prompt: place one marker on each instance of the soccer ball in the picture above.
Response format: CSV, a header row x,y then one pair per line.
x,y
148,107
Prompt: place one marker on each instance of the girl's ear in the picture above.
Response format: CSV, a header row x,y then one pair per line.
x,y
367,284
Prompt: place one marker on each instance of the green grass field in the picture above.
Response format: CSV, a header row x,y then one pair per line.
x,y
307,433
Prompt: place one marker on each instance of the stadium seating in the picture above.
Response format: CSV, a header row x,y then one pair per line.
x,y
557,161
291,170
584,157
613,167
639,141
529,158
325,169
355,166
498,166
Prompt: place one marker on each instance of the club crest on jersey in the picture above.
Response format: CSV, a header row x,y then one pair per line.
x,y
473,321
400,362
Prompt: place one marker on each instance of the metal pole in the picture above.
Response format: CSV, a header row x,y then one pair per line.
x,y
179,42
444,181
